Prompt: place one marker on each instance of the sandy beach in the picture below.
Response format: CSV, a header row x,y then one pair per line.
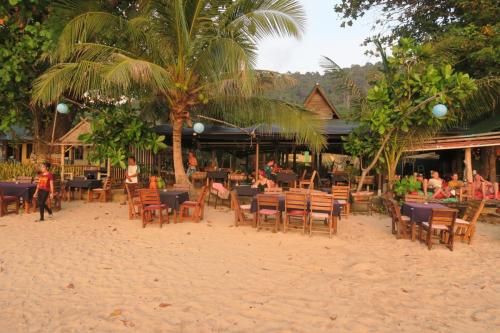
x,y
93,270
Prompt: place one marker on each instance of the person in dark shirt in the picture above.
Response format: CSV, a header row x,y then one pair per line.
x,y
44,190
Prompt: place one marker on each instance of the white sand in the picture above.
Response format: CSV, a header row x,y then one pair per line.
x,y
93,270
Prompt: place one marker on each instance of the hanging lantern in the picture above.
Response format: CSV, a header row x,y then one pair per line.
x,y
198,128
62,108
439,110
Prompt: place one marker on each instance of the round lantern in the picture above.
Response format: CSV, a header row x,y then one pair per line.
x,y
198,128
62,108
439,110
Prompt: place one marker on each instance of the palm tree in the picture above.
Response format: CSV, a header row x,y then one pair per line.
x,y
194,56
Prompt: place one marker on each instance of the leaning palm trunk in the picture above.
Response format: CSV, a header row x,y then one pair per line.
x,y
180,174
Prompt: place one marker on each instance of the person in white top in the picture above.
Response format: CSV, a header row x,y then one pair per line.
x,y
132,176
434,185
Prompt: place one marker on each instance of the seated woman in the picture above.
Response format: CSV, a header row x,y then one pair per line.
x,y
262,182
488,189
435,186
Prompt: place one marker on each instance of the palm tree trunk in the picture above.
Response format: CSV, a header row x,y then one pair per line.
x,y
180,173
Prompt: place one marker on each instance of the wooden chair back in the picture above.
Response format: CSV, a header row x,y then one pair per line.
x,y
273,190
181,187
417,198
149,196
361,199
395,210
24,179
466,192
303,177
203,195
295,201
340,192
298,190
266,201
473,212
106,185
321,203
443,216
369,180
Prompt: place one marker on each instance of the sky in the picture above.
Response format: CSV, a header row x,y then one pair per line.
x,y
323,37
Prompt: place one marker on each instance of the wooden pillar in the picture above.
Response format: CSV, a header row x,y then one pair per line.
x,y
62,161
492,161
213,158
294,163
468,164
108,168
257,151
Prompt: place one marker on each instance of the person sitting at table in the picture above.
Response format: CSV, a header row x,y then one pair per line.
x,y
44,190
454,185
262,182
268,169
435,186
488,189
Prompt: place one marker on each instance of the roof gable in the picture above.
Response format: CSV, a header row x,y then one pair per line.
x,y
71,138
318,102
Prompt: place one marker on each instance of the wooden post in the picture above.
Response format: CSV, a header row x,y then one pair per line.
x,y
257,151
213,158
294,163
62,162
492,161
468,164
108,169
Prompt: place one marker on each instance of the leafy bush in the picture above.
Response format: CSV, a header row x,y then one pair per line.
x,y
407,185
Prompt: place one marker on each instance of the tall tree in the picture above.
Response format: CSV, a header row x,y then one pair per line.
x,y
397,109
195,56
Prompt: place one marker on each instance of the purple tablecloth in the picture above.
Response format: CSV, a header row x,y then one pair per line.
x,y
285,177
219,175
419,212
24,191
246,191
84,183
253,208
173,199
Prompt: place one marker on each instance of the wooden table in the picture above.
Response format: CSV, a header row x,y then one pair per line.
x,y
173,199
418,213
24,191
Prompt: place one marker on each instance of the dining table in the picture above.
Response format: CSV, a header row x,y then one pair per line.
x,y
173,199
83,183
246,190
217,175
24,191
418,213
284,177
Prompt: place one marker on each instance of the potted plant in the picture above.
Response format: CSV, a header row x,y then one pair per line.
x,y
407,185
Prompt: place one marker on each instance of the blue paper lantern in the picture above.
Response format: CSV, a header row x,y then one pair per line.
x,y
198,128
62,108
439,110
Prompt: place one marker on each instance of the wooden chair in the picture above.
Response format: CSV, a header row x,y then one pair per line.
x,y
199,177
303,177
150,204
273,190
321,208
442,220
308,182
268,205
24,179
401,224
6,201
466,227
55,202
214,192
134,203
341,194
298,190
197,206
102,194
240,211
364,199
466,192
295,209
369,180
417,198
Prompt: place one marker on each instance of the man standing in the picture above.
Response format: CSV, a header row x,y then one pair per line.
x,y
131,176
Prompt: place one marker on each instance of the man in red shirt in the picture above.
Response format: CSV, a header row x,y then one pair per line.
x,y
44,190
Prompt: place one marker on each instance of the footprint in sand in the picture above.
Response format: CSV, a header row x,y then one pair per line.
x,y
487,315
366,271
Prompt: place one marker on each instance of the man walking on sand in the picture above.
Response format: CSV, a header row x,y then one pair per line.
x,y
131,177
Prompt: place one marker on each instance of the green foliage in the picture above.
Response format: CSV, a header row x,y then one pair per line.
x,y
23,39
9,171
115,131
406,185
400,104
